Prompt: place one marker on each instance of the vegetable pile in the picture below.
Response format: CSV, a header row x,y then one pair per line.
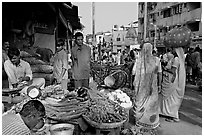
x,y
119,97
103,110
63,105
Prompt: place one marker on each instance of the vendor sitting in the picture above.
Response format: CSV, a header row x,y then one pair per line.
x,y
31,117
19,71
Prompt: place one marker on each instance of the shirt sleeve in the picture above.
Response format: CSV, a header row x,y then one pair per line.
x,y
10,72
28,70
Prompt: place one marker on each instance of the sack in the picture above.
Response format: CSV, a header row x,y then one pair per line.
x,y
47,69
25,54
47,77
178,37
34,61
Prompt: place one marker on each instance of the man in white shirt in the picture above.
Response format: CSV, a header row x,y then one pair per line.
x,y
18,71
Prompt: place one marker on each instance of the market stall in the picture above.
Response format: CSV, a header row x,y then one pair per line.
x,y
81,111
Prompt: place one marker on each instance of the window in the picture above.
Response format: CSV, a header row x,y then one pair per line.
x,y
158,14
152,33
193,5
151,16
167,13
185,5
194,26
141,20
177,9
117,39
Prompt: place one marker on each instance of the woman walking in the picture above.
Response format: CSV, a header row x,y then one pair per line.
x,y
173,86
147,84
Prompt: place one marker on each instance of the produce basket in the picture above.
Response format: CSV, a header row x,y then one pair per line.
x,y
103,125
68,129
118,78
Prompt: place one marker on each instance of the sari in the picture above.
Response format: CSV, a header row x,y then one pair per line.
x,y
172,93
145,100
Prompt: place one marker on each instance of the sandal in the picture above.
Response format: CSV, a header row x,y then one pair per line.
x,y
169,120
176,119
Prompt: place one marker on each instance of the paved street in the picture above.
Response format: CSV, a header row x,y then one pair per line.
x,y
190,115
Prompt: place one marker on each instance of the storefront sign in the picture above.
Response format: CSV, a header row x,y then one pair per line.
x,y
45,28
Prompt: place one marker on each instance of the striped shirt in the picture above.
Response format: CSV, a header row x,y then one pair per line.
x,y
12,124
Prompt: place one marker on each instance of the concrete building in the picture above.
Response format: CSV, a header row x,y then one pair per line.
x,y
163,16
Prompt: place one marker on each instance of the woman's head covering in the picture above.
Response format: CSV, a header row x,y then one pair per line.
x,y
147,57
146,63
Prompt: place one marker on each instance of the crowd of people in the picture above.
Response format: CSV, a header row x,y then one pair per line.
x,y
158,83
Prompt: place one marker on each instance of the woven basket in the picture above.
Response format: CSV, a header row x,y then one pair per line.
x,y
120,78
103,125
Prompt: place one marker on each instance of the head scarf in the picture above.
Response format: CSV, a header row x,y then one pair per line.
x,y
145,64
181,71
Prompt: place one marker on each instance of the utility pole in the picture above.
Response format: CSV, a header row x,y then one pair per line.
x,y
145,21
93,29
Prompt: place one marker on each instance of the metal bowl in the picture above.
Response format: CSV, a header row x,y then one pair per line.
x,y
62,129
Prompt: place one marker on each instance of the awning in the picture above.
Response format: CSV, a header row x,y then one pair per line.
x,y
71,14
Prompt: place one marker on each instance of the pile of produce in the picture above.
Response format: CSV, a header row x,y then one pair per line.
x,y
119,97
39,68
102,110
64,105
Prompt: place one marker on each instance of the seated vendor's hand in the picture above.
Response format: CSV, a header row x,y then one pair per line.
x,y
20,79
15,85
59,80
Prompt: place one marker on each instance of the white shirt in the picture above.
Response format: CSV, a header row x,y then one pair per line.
x,y
15,72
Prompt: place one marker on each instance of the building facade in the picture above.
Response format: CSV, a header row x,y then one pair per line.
x,y
164,16
124,36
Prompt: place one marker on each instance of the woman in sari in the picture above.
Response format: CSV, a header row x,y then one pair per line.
x,y
173,86
147,84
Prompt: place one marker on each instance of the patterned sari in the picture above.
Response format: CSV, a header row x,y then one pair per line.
x,y
145,100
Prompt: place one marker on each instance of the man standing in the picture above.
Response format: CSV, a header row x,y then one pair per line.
x,y
30,117
195,58
188,64
18,71
81,57
60,63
